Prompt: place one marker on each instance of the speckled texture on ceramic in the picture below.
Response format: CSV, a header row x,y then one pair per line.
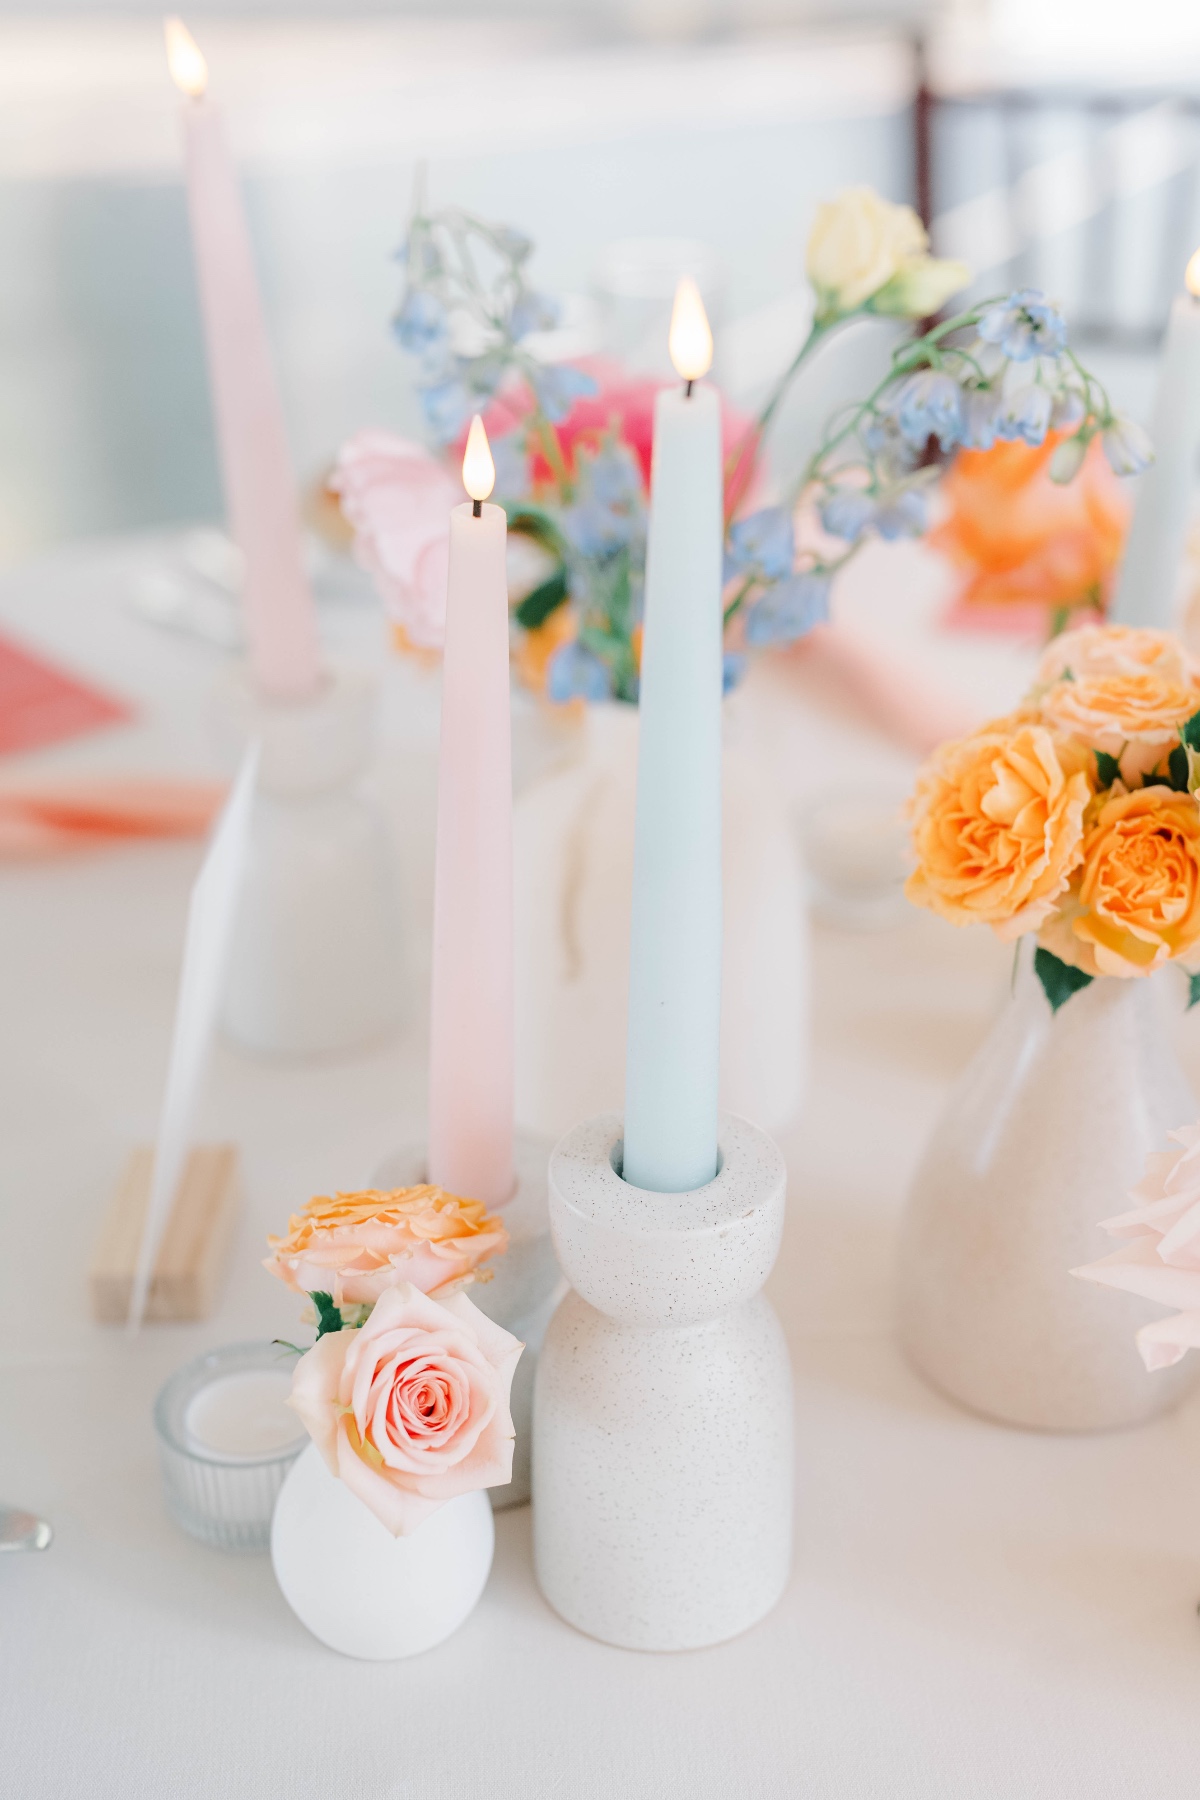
x,y
1044,1136
524,1290
663,1412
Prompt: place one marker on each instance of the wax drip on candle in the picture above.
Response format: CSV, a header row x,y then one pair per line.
x,y
189,71
478,470
690,341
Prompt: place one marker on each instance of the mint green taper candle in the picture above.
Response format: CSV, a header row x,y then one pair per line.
x,y
673,1053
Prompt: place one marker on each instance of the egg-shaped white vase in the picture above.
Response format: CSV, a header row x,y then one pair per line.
x,y
573,871
362,1591
315,961
1044,1136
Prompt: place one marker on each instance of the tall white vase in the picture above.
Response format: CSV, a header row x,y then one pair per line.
x,y
315,963
524,1289
573,858
363,1591
662,1414
1045,1134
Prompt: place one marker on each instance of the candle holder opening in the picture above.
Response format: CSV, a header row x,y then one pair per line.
x,y
616,1159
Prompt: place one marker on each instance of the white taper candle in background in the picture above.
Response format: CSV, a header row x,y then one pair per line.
x,y
256,469
673,1054
471,1003
1149,578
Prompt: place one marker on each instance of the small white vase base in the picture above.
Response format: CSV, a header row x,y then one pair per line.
x,y
315,964
662,1420
525,1287
362,1591
1046,1133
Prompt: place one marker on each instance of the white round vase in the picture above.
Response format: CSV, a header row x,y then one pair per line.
x,y
314,966
662,1416
525,1287
362,1591
573,872
1044,1136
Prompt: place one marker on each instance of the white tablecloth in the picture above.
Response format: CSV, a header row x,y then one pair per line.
x,y
975,1613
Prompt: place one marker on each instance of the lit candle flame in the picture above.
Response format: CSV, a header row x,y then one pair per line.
x,y
479,471
1191,276
189,71
690,342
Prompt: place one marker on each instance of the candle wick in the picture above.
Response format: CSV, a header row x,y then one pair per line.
x,y
687,388
477,509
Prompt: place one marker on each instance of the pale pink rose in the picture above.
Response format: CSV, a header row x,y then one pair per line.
x,y
1123,689
1161,1260
353,1246
412,1408
398,499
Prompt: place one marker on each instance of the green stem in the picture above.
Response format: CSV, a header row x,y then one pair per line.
x,y
753,437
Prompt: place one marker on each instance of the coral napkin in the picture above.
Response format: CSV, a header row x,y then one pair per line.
x,y
41,704
52,816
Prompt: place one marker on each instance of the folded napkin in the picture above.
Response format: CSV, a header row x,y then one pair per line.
x,y
53,816
42,704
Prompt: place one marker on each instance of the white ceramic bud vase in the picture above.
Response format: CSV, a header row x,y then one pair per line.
x,y
1045,1134
662,1417
361,1590
573,870
525,1287
315,963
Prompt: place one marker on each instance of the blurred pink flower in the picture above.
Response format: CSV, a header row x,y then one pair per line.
x,y
1161,1261
397,498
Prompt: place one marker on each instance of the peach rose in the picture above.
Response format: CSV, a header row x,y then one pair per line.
x,y
398,499
1120,689
412,1408
998,826
1136,901
354,1246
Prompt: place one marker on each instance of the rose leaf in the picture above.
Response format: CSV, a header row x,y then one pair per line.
x,y
1108,768
1059,979
329,1316
1193,990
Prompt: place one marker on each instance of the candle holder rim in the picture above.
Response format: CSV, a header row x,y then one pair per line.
x,y
183,1385
590,1147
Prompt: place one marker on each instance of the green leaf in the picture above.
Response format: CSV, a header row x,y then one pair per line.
x,y
1177,763
1190,732
329,1316
534,522
1108,768
1059,980
1193,990
541,601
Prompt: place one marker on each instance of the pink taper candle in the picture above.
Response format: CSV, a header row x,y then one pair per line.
x,y
256,470
471,1022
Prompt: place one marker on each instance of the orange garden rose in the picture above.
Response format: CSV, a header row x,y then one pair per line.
x,y
1136,901
998,826
355,1246
1019,537
1121,690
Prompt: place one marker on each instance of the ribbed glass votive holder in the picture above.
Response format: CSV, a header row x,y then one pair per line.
x,y
226,1441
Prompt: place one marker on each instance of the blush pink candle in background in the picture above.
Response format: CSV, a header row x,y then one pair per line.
x,y
471,1011
256,470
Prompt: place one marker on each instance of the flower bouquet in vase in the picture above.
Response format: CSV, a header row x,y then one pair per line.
x,y
382,1535
1072,828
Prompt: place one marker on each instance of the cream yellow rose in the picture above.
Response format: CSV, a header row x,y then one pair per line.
x,y
1135,903
1120,689
862,248
998,826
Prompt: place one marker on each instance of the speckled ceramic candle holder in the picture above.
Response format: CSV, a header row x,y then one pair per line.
x,y
525,1286
662,1419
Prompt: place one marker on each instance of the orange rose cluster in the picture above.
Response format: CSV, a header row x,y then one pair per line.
x,y
1076,816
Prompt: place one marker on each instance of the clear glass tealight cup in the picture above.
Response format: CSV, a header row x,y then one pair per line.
x,y
226,1439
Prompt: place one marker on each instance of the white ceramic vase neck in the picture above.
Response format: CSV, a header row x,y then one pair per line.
x,y
662,1432
1043,1137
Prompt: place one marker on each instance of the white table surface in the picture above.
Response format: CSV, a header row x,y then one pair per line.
x,y
975,1613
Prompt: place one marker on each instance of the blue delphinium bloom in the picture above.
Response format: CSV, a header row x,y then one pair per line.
x,y
608,512
595,530
576,673
881,439
903,514
981,410
615,477
421,324
788,610
1127,447
1025,325
764,541
846,513
1068,410
929,404
1025,414
447,406
533,312
733,667
558,386
512,465
512,243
